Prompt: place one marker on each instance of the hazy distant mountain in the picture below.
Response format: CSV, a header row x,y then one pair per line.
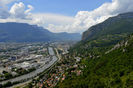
x,y
22,32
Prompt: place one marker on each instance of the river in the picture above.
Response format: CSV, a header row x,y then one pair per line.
x,y
52,59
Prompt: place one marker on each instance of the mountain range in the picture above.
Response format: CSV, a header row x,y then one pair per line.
x,y
106,50
22,32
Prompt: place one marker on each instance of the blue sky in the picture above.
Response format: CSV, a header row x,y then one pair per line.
x,y
73,16
65,7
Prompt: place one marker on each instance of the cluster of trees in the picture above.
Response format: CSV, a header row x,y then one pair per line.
x,y
7,75
112,70
22,71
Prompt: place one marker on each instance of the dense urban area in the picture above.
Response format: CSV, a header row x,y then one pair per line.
x,y
34,64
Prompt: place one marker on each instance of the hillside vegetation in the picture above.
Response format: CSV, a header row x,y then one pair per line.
x,y
112,70
106,50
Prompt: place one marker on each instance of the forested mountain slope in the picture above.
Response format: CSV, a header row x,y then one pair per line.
x,y
114,69
106,50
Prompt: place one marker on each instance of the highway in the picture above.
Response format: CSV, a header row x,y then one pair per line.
x,y
51,60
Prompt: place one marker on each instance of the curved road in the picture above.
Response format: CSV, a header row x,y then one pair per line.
x,y
52,59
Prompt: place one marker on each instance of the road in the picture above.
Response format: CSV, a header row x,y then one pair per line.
x,y
58,55
52,59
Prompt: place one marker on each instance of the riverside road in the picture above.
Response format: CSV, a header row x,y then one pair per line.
x,y
51,60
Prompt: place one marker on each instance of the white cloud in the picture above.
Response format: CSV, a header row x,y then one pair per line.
x,y
85,19
3,3
4,13
53,18
17,13
53,22
18,10
59,23
88,18
29,10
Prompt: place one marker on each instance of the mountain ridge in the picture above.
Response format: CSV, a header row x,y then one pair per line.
x,y
92,31
23,32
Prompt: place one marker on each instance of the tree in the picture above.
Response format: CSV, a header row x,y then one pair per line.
x,y
8,75
30,85
7,84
